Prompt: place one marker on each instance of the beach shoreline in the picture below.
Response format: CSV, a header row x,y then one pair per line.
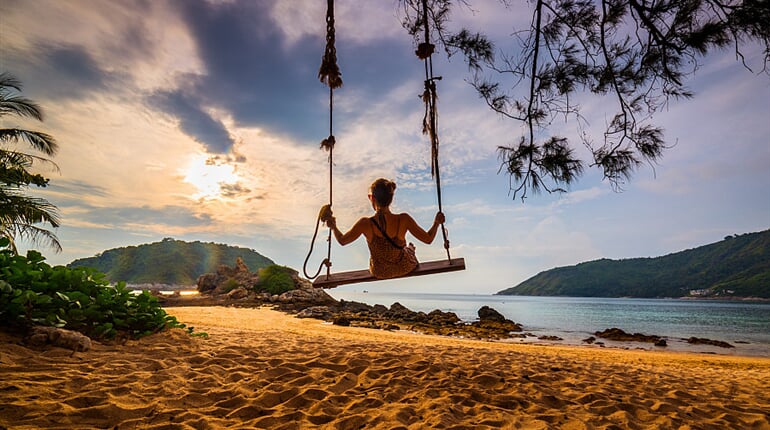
x,y
261,368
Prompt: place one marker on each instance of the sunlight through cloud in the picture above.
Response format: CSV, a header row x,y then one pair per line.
x,y
210,177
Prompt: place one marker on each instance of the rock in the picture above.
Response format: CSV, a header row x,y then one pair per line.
x,y
318,312
341,321
238,293
379,309
438,317
494,322
703,341
207,283
488,314
43,335
621,336
355,307
589,340
299,299
549,337
400,312
227,279
661,342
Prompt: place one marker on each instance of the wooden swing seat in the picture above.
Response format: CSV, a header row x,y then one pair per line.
x,y
358,276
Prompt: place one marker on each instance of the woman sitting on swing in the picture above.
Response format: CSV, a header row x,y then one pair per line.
x,y
385,233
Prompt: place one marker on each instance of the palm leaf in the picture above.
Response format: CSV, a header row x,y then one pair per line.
x,y
41,141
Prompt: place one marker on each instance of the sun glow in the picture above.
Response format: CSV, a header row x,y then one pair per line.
x,y
209,175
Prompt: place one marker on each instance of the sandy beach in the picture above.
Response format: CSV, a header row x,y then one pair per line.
x,y
260,368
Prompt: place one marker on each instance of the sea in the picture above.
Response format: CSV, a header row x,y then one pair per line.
x,y
743,324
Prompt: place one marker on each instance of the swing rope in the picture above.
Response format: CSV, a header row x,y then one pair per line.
x,y
329,74
430,120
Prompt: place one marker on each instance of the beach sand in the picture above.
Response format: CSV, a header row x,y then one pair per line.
x,y
260,368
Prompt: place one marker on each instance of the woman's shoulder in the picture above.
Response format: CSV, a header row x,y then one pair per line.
x,y
404,216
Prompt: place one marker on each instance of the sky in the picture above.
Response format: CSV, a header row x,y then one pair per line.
x,y
201,121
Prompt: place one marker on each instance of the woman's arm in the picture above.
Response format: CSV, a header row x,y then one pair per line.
x,y
358,229
422,235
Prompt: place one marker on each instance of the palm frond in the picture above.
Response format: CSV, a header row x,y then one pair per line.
x,y
33,234
42,142
9,81
21,106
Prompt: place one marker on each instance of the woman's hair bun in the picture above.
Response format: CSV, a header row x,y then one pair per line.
x,y
382,190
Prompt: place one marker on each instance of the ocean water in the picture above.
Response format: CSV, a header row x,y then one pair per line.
x,y
746,325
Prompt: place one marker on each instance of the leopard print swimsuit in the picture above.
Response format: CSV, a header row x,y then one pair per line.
x,y
387,260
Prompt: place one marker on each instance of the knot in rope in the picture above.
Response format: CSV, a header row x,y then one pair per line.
x,y
328,143
430,119
329,72
425,50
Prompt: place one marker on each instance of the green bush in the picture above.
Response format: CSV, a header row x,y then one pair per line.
x,y
275,279
34,293
230,285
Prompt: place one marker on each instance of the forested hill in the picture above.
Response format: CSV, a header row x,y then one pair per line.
x,y
169,261
738,266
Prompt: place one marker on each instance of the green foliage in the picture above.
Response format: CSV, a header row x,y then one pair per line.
x,y
738,266
169,261
230,285
35,293
635,55
20,213
275,279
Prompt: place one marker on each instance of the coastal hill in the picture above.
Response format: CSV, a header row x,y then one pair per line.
x,y
738,266
170,261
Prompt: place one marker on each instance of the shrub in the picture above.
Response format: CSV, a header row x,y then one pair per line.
x,y
275,279
32,292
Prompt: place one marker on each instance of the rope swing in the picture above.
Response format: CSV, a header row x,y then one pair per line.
x,y
329,74
430,120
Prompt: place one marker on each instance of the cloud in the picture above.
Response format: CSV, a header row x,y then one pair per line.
x,y
247,70
71,191
194,120
139,218
78,71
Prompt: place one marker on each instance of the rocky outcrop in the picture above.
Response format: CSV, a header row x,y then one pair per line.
x,y
234,286
491,325
704,341
488,314
490,319
302,298
227,279
621,336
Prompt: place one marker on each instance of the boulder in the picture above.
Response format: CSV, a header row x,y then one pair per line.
x,y
379,310
398,311
43,335
355,307
438,317
238,293
494,321
488,314
341,321
317,312
305,297
703,341
227,279
617,334
207,283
